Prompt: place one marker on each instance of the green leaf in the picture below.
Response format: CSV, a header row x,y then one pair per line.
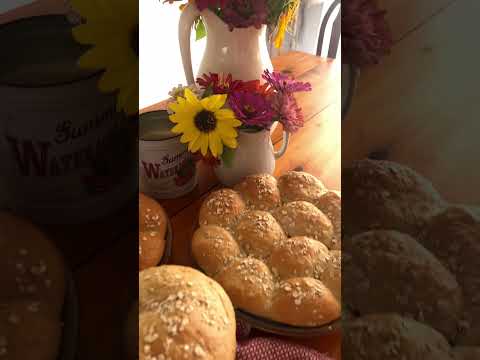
x,y
200,30
228,156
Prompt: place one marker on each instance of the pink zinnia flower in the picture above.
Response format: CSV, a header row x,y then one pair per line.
x,y
251,109
291,116
284,83
245,13
366,36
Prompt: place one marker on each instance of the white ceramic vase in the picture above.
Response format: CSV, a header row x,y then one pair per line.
x,y
254,155
241,52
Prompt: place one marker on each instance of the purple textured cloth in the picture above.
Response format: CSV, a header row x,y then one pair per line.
x,y
269,348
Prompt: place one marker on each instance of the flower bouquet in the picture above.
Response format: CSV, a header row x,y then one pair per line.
x,y
277,14
211,113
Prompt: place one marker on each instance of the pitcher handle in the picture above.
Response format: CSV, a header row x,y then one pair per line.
x,y
189,14
286,139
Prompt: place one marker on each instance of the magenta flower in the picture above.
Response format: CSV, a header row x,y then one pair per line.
x,y
251,109
210,4
366,35
291,116
245,13
284,83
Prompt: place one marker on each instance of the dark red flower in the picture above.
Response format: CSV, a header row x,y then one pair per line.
x,y
245,13
218,84
252,109
210,4
366,36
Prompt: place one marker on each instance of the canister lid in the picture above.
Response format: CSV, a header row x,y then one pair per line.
x,y
40,51
155,125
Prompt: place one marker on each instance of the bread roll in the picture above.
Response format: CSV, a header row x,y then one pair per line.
x,y
256,233
388,336
386,195
300,186
330,204
260,235
304,302
260,192
153,224
387,271
298,256
453,236
184,315
301,218
222,207
250,283
31,267
213,248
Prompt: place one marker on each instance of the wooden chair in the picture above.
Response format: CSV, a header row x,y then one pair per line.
x,y
334,41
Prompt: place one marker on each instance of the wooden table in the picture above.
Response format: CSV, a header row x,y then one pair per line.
x,y
104,284
420,107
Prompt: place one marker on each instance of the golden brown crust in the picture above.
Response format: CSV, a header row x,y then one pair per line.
x,y
301,218
386,195
257,232
153,224
304,302
453,236
260,192
213,248
250,283
222,207
31,267
300,186
184,315
330,204
419,286
267,239
388,336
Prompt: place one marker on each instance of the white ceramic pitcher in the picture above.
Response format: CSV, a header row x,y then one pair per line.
x,y
254,155
241,52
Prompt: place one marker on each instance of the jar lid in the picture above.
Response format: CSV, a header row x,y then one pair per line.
x,y
41,51
155,125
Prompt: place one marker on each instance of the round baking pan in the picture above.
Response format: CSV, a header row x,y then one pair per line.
x,y
68,345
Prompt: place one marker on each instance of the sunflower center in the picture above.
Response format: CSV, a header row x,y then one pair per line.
x,y
134,42
205,121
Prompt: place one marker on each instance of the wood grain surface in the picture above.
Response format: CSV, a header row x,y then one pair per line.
x,y
420,107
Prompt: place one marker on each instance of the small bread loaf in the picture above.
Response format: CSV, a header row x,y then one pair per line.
x,y
453,236
153,223
222,208
386,195
32,292
300,186
184,315
386,336
265,236
467,353
387,271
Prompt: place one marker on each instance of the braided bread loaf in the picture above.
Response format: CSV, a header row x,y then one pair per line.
x,y
274,247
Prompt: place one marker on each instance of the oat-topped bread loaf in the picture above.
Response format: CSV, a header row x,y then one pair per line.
x,y
153,223
386,336
275,247
32,291
390,272
453,236
386,195
183,314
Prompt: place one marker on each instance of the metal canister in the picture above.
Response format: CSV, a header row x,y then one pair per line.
x,y
62,142
167,169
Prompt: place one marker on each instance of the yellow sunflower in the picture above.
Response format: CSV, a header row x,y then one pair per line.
x,y
205,123
112,28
